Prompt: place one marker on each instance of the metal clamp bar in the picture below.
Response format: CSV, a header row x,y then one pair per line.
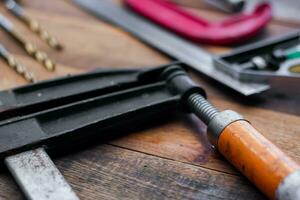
x,y
38,177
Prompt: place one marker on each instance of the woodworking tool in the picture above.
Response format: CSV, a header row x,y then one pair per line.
x,y
32,24
167,43
15,65
30,49
232,30
127,98
273,60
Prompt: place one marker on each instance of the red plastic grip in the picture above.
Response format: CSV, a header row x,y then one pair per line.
x,y
235,29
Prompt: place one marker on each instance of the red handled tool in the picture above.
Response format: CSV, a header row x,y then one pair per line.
x,y
229,31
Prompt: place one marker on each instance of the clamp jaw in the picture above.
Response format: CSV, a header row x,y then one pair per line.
x,y
48,113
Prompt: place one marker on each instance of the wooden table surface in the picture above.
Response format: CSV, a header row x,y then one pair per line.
x,y
172,160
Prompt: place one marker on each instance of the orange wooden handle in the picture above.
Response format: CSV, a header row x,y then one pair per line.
x,y
255,156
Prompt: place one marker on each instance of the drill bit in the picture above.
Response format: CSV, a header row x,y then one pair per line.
x,y
31,50
15,65
32,24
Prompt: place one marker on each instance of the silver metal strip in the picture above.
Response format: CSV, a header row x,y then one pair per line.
x,y
167,43
217,125
289,188
38,177
5,23
14,7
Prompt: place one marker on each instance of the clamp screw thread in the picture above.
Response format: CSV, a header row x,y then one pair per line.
x,y
202,108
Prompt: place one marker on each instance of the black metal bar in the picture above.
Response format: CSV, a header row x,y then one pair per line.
x,y
133,98
48,94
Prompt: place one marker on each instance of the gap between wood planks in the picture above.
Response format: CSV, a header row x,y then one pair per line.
x,y
174,160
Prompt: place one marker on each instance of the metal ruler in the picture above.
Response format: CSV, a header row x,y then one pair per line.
x,y
168,43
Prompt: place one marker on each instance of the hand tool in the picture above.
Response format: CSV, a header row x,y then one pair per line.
x,y
132,97
30,49
233,30
32,24
167,43
15,65
267,61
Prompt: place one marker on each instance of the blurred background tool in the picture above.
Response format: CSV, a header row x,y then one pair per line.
x,y
17,67
269,61
233,30
32,24
168,43
230,6
31,50
284,11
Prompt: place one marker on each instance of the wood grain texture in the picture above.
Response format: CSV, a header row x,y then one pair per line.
x,y
171,160
117,173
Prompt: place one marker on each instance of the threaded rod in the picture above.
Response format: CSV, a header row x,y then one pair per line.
x,y
202,108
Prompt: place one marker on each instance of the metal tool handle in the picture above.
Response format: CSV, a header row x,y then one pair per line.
x,y
258,159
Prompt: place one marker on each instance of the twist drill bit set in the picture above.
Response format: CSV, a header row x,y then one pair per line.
x,y
32,24
15,65
30,48
62,113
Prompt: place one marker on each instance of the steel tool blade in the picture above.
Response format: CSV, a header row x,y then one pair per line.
x,y
38,177
168,43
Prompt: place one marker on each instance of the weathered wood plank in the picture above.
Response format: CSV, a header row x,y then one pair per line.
x,y
108,172
186,141
180,162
